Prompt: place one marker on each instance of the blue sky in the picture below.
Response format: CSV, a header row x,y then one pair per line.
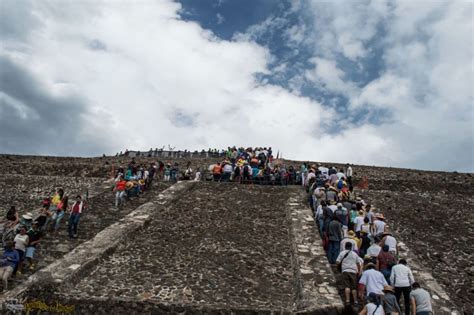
x,y
375,82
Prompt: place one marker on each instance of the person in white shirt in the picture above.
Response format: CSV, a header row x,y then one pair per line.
x,y
420,300
358,221
373,306
374,249
389,240
402,278
197,175
372,280
351,266
349,174
21,240
379,224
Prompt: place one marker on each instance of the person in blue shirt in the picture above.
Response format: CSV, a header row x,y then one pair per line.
x,y
8,263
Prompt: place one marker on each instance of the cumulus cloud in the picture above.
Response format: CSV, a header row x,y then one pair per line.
x,y
423,84
106,76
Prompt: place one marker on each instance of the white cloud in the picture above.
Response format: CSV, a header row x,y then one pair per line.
x,y
427,79
148,78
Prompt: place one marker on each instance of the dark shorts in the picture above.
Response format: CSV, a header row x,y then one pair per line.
x,y
21,254
349,280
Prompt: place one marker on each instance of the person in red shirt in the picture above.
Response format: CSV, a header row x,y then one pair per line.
x,y
120,187
75,215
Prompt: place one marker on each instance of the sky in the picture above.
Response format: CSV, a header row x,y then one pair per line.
x,y
386,83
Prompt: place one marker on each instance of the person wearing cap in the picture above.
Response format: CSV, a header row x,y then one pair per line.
x,y
373,306
371,281
8,263
420,300
21,241
402,279
389,301
351,267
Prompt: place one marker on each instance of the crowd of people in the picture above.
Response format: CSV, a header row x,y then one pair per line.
x,y
22,235
355,235
360,245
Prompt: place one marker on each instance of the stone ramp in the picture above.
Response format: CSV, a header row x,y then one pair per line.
x,y
98,216
197,248
74,265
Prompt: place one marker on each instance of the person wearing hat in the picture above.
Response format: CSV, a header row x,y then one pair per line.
x,y
389,301
372,281
27,220
379,225
8,263
351,238
373,306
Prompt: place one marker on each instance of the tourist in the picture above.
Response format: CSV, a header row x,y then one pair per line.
x,y
372,281
303,172
343,216
379,225
56,199
197,175
43,218
388,239
76,211
226,171
167,172
402,279
352,239
369,213
358,221
385,262
34,238
373,306
331,194
120,189
11,218
374,249
59,213
351,266
319,216
349,175
420,300
21,241
217,171
8,263
389,301
335,236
